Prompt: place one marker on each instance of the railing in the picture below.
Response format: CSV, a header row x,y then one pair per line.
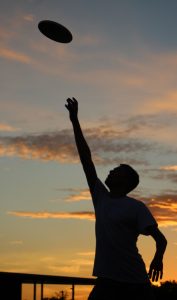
x,y
11,283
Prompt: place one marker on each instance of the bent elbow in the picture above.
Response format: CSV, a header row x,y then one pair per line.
x,y
165,241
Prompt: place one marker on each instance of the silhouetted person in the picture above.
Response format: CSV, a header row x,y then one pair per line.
x,y
118,266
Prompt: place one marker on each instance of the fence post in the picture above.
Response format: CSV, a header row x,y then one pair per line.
x,y
42,291
34,291
72,292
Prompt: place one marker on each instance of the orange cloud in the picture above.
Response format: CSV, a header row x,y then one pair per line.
x,y
67,269
18,242
85,215
6,127
87,253
166,103
89,40
169,168
29,18
14,55
164,209
5,34
80,196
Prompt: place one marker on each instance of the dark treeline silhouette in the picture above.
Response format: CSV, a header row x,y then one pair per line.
x,y
166,291
58,296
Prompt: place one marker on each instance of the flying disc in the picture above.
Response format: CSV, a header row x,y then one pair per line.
x,y
55,31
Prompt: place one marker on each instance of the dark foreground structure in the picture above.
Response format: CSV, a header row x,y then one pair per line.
x,y
11,285
166,291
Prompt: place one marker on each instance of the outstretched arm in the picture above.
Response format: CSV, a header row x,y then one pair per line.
x,y
156,266
82,146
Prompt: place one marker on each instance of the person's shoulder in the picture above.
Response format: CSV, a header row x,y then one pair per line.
x,y
134,201
100,185
137,204
99,193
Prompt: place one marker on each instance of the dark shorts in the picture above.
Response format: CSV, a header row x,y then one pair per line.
x,y
106,289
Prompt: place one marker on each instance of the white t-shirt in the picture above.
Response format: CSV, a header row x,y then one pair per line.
x,y
119,221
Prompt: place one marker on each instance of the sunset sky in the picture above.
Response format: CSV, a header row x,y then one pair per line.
x,y
122,68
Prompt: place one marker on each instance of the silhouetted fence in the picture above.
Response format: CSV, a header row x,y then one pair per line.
x,y
11,283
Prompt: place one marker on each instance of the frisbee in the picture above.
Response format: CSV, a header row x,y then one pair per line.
x,y
55,31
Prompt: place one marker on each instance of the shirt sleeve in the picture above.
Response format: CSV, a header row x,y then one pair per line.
x,y
98,192
145,219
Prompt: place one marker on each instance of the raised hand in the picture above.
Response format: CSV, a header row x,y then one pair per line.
x,y
82,146
72,107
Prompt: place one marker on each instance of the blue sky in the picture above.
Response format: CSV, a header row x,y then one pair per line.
x,y
121,66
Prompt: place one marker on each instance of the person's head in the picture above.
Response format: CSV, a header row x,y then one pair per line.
x,y
122,178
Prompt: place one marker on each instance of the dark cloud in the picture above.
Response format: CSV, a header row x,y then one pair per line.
x,y
157,121
53,146
166,175
106,145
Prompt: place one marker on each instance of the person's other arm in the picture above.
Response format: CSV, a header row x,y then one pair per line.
x,y
156,266
82,146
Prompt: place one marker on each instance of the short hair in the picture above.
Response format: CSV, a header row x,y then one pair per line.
x,y
132,178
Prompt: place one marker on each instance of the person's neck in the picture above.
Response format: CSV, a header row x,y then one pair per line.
x,y
117,194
